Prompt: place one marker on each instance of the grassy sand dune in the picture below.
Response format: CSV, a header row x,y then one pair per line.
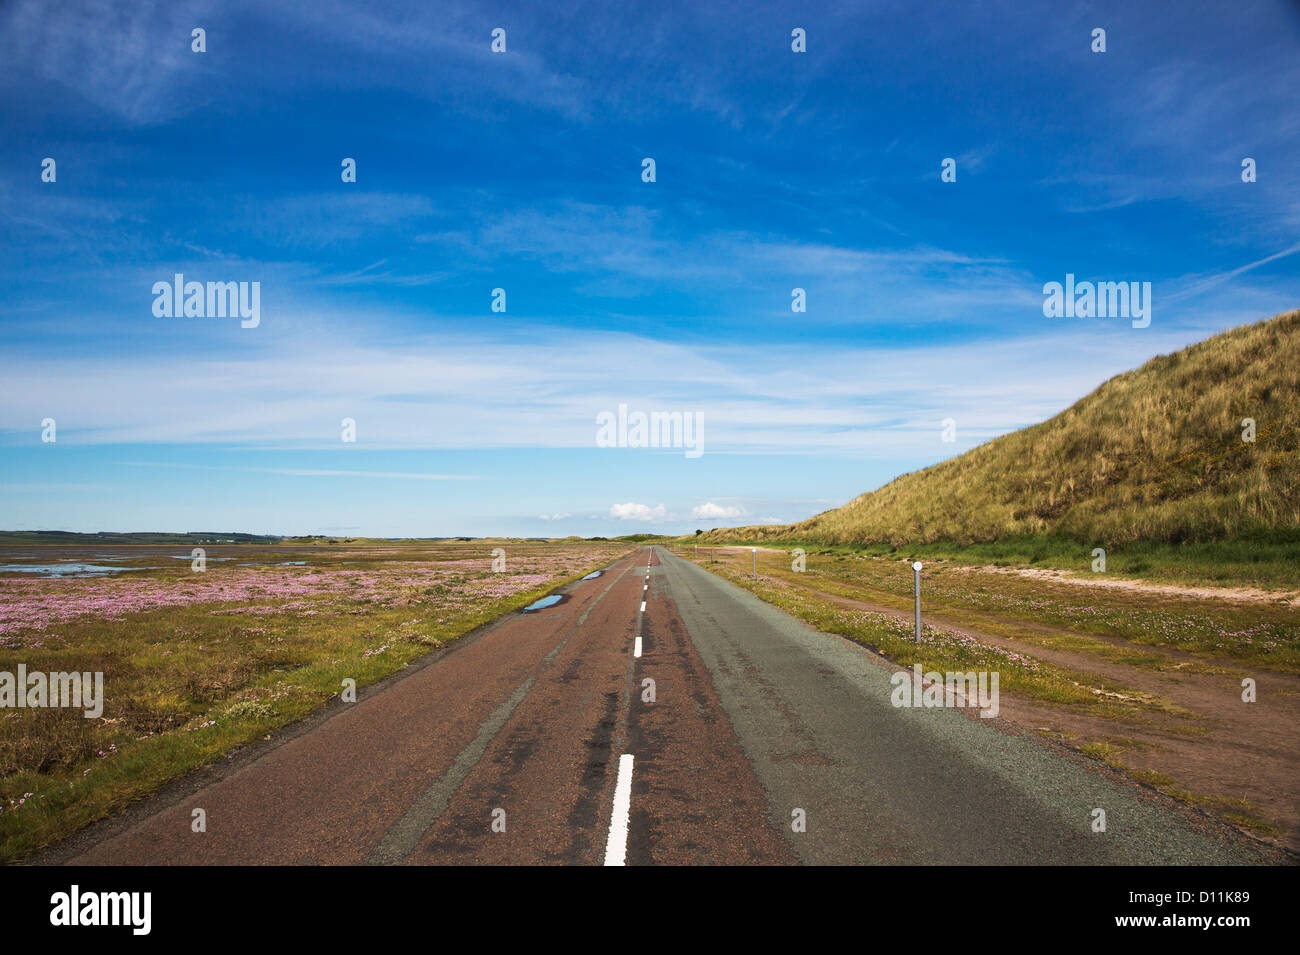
x,y
1153,456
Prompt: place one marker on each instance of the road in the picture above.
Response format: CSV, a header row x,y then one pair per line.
x,y
537,740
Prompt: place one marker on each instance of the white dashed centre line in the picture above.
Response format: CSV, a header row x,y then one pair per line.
x,y
643,606
636,649
616,847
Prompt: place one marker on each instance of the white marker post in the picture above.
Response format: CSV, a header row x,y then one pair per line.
x,y
754,552
916,581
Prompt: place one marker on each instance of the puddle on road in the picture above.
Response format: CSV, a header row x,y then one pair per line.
x,y
545,602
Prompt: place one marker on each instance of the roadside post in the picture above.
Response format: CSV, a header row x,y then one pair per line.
x,y
754,552
916,583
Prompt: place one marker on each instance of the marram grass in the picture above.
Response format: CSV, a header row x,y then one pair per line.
x,y
1154,455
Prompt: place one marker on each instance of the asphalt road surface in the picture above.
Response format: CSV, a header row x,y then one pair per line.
x,y
538,740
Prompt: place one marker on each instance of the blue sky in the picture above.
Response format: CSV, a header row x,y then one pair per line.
x,y
522,170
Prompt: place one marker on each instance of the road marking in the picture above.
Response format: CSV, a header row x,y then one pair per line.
x,y
636,650
405,835
616,847
643,606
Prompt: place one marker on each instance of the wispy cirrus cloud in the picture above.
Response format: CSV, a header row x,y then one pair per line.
x,y
521,390
522,171
1196,285
311,472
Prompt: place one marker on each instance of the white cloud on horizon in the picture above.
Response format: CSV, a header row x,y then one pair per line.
x,y
711,510
638,512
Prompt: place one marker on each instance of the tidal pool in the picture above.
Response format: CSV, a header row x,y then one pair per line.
x,y
72,569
